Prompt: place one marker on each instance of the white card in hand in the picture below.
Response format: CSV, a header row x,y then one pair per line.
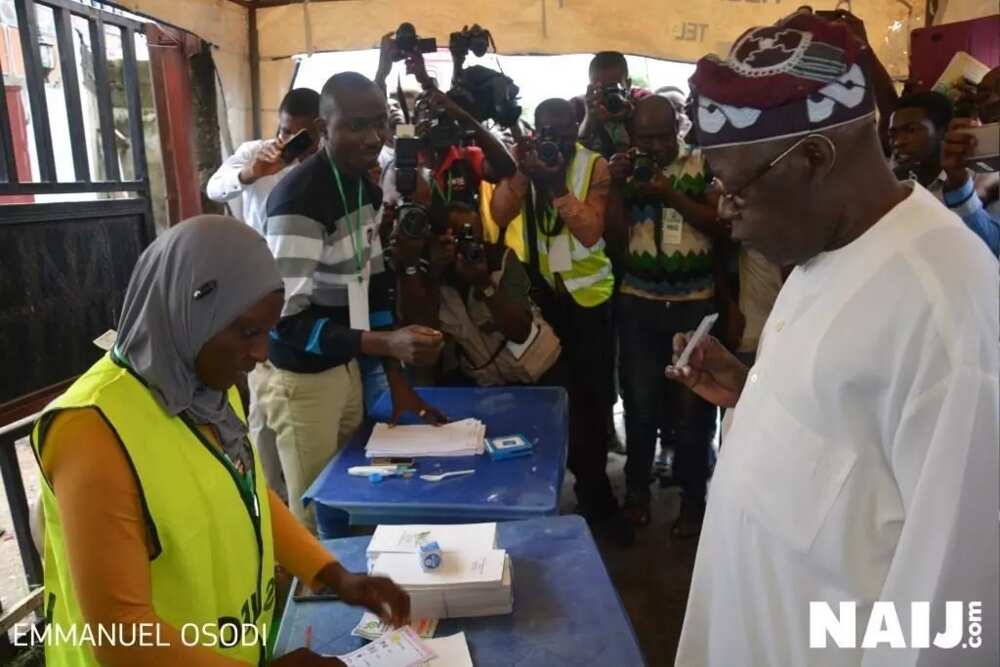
x,y
693,341
560,258
357,301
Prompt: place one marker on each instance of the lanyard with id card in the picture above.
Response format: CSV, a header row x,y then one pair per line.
x,y
357,285
672,225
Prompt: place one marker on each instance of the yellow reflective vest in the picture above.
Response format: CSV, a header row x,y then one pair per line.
x,y
212,567
590,280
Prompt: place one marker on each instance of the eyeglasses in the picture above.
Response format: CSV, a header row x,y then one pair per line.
x,y
730,197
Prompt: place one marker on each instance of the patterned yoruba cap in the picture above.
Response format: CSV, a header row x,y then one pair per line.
x,y
801,75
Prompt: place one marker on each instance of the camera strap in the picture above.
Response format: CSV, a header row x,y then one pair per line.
x,y
447,177
357,236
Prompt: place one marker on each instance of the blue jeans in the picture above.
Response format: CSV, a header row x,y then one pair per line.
x,y
646,330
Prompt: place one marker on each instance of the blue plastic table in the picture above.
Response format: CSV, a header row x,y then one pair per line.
x,y
521,488
566,611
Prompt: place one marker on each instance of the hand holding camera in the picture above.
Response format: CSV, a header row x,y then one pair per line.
x,y
608,102
470,258
642,168
542,161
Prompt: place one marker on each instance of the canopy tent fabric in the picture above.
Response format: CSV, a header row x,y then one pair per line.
x,y
672,30
669,29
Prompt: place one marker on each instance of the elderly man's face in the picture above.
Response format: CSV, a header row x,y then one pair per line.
x,y
778,211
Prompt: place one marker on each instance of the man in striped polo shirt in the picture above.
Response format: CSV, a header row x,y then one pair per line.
x,y
339,294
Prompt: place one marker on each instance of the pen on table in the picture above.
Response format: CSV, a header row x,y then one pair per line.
x,y
309,636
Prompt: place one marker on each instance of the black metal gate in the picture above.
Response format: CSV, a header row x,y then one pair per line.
x,y
64,266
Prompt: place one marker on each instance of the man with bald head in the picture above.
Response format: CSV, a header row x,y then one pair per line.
x,y
855,499
658,216
563,199
321,226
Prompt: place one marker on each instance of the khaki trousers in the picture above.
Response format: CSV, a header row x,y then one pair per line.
x,y
312,416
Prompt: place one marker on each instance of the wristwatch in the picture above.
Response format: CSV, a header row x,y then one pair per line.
x,y
488,292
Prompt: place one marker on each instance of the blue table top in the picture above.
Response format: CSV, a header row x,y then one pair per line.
x,y
514,489
566,611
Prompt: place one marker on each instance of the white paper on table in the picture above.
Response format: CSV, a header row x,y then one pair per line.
x,y
458,537
451,651
398,648
459,438
458,568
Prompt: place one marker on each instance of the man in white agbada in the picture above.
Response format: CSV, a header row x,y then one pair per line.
x,y
862,461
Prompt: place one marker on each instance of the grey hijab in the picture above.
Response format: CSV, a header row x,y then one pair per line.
x,y
188,285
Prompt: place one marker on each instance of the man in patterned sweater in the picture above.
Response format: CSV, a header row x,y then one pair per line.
x,y
665,231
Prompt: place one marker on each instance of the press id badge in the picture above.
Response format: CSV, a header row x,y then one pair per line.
x,y
673,226
357,301
560,258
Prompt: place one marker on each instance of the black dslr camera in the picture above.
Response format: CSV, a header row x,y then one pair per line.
x,y
468,246
614,98
475,39
548,148
410,216
406,42
436,129
644,167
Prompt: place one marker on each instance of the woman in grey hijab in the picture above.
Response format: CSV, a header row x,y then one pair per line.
x,y
155,508
186,288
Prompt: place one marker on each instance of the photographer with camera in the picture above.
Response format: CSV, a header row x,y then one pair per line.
x,y
481,299
561,191
658,212
610,101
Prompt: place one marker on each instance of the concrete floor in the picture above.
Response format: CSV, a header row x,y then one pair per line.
x,y
652,576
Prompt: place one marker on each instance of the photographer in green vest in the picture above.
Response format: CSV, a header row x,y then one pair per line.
x,y
161,536
561,190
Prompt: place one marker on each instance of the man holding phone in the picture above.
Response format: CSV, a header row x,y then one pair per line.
x,y
980,211
257,166
253,171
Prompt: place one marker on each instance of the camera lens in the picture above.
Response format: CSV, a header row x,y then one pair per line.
x,y
643,169
413,220
548,152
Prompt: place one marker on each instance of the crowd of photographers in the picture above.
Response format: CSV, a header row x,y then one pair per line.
x,y
441,238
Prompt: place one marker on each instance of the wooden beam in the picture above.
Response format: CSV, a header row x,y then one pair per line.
x,y
255,74
21,609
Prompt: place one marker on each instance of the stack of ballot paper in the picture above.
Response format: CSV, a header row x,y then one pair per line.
x,y
474,578
461,438
407,539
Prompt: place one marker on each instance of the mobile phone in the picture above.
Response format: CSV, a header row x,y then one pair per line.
x,y
296,146
303,593
985,157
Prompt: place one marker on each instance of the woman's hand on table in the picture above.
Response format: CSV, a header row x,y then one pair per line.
x,y
378,595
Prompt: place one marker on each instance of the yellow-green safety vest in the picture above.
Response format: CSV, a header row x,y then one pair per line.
x,y
590,280
212,568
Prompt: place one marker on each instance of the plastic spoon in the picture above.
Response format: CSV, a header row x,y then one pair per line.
x,y
438,478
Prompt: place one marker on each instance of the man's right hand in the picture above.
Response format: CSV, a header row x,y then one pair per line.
x,y
416,345
712,371
303,657
267,162
620,167
386,56
955,151
595,104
